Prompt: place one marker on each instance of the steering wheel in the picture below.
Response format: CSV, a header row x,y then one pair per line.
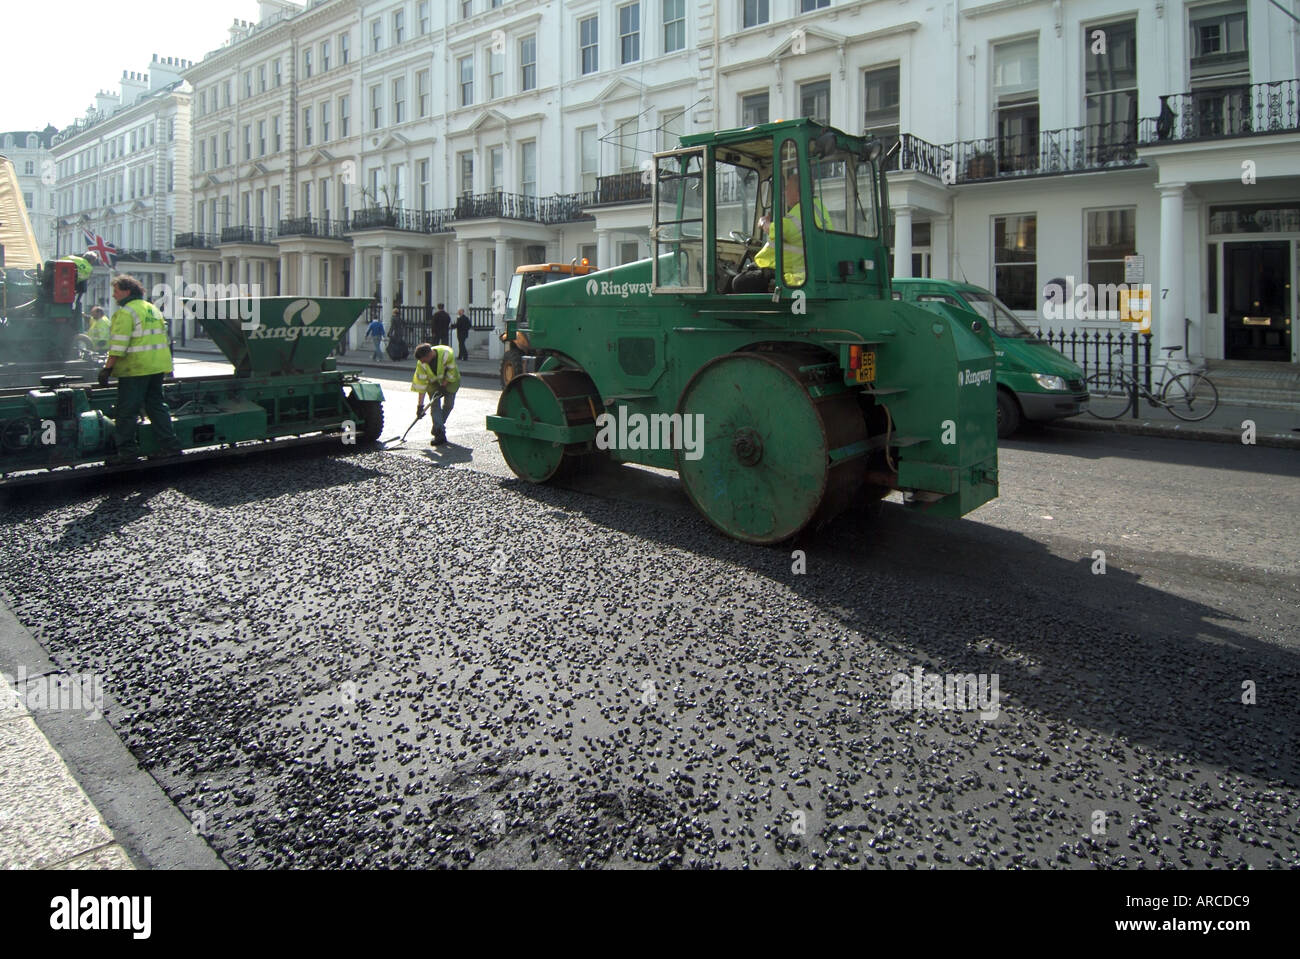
x,y
741,238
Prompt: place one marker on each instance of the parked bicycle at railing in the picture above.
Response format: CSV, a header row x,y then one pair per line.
x,y
1190,396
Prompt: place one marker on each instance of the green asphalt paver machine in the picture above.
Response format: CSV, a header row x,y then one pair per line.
x,y
780,379
285,390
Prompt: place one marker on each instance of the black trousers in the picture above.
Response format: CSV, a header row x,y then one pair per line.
x,y
464,350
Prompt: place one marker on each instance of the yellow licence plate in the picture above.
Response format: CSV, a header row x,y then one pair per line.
x,y
866,373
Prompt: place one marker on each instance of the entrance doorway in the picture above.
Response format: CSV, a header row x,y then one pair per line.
x,y
1257,301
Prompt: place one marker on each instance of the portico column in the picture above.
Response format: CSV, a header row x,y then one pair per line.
x,y
603,257
284,274
501,284
940,268
462,276
903,241
386,281
1167,298
304,274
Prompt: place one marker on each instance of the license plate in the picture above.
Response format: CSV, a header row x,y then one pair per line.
x,y
866,373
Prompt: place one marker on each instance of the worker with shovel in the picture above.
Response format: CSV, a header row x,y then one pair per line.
x,y
437,378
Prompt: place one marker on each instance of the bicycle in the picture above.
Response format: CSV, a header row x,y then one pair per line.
x,y
1190,396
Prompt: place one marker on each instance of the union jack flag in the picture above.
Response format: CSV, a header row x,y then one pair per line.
x,y
106,252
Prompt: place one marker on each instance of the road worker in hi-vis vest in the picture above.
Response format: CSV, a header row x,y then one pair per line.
x,y
757,279
438,378
139,357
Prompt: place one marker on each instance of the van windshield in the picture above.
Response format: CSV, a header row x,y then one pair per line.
x,y
1001,319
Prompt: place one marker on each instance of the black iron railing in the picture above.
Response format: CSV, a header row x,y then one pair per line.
x,y
247,234
1106,352
621,188
195,241
1069,150
1229,111
410,221
415,323
561,208
145,256
311,226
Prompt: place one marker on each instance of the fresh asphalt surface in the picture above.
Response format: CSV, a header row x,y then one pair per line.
x,y
409,658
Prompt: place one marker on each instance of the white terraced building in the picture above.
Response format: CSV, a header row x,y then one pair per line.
x,y
420,150
29,151
122,173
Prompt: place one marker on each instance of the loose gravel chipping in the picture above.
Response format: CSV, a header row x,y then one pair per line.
x,y
368,662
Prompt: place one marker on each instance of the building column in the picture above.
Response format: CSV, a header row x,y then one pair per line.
x,y
387,279
284,274
462,277
604,259
500,284
940,267
304,274
1167,296
903,241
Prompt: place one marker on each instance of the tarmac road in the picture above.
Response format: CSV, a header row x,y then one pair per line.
x,y
405,658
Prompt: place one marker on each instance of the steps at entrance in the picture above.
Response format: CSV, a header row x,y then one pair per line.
x,y
1245,383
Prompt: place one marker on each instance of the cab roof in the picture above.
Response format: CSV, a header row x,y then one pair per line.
x,y
573,269
746,134
940,284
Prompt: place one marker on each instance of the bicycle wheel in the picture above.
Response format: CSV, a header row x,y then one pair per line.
x,y
1190,396
1111,392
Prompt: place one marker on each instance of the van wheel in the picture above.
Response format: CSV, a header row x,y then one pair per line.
x,y
1008,414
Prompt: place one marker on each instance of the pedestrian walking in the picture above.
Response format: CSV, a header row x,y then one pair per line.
x,y
437,379
375,331
138,355
462,333
441,327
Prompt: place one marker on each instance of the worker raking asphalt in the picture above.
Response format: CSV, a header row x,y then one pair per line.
x,y
362,661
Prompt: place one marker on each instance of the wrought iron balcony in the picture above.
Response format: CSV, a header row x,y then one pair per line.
x,y
565,208
621,188
310,226
247,234
411,221
1071,150
195,241
144,256
1230,111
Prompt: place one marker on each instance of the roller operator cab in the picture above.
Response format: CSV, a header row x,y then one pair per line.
x,y
758,351
519,356
1035,382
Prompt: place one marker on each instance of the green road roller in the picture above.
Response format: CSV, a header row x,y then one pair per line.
x,y
285,389
758,352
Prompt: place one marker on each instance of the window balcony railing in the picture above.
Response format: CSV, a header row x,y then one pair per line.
x,y
562,208
1229,111
195,241
1070,150
144,256
247,234
621,188
323,228
410,221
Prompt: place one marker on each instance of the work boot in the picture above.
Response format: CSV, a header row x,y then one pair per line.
x,y
439,439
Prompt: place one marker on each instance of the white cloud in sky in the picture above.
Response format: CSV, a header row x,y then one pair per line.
x,y
59,55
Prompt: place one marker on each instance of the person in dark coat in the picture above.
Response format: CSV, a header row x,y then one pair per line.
x,y
462,333
441,327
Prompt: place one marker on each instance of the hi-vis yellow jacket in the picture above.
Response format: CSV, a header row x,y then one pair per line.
x,y
442,365
139,340
792,243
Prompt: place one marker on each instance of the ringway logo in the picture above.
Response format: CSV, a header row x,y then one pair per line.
x,y
114,913
308,311
974,377
622,290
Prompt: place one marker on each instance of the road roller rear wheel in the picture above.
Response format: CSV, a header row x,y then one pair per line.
x,y
562,398
774,459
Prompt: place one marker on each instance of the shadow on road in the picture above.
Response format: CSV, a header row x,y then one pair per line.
x,y
1105,652
1097,444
